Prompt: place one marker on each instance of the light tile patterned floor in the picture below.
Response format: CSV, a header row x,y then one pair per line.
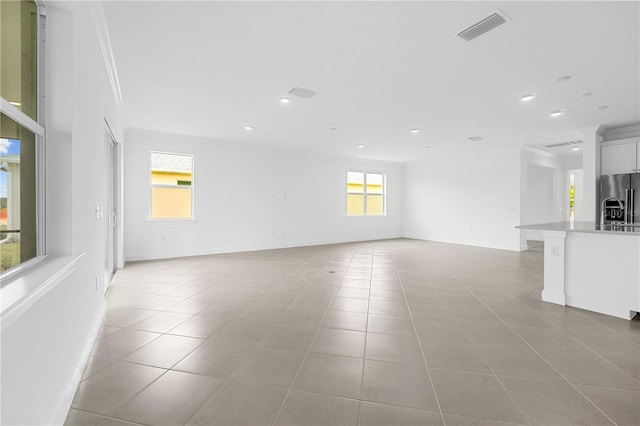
x,y
397,332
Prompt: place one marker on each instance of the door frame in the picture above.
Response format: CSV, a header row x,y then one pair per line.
x,y
112,208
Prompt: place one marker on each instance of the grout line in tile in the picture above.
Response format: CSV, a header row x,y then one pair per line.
x,y
537,353
308,350
108,417
356,253
366,337
424,358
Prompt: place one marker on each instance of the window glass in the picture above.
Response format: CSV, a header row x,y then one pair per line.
x,y
355,204
355,182
19,54
374,183
18,210
375,205
171,186
365,193
572,194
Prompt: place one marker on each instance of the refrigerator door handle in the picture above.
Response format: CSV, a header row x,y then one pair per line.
x,y
632,211
627,207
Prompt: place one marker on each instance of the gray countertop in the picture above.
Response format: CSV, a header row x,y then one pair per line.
x,y
580,226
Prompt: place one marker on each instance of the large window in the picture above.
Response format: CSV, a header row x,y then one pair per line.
x,y
21,137
171,186
365,193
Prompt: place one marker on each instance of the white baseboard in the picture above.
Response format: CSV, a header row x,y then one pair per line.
x,y
66,399
461,242
134,257
554,297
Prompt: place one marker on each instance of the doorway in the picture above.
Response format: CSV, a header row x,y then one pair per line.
x,y
111,252
574,195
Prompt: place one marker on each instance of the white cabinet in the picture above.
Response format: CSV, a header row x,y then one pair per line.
x,y
620,157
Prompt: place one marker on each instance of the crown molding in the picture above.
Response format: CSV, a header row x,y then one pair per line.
x,y
617,133
538,151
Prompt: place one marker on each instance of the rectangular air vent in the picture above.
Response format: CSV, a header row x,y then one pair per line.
x,y
557,145
303,93
479,28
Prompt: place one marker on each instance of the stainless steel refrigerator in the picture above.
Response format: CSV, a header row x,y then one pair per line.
x,y
620,199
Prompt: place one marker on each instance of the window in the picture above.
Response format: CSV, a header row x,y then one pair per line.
x,y
365,193
171,186
21,137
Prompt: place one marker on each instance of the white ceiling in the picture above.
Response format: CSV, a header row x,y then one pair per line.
x,y
379,69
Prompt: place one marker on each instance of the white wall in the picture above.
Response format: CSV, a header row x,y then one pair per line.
x,y
43,341
590,172
469,198
250,197
542,186
543,180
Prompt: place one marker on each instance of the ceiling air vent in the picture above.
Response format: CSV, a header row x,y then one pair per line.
x,y
558,145
303,93
479,28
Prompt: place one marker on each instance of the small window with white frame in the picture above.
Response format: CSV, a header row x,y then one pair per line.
x,y
171,178
366,193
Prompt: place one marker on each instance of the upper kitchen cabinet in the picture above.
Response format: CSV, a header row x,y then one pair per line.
x,y
621,156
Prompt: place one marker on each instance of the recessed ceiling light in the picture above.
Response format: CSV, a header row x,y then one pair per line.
x,y
18,104
248,127
361,146
586,95
603,107
564,78
285,100
575,149
414,131
527,98
475,138
556,113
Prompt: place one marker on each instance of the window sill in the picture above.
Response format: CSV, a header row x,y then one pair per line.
x,y
27,287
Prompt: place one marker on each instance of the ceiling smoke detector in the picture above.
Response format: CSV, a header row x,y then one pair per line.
x,y
483,26
303,93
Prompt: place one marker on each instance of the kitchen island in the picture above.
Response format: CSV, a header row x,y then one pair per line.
x,y
591,267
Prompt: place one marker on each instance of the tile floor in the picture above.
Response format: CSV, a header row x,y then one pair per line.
x,y
395,332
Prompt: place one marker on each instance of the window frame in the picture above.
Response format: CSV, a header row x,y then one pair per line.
x,y
37,127
183,187
365,194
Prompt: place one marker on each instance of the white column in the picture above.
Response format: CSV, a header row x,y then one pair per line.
x,y
554,267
